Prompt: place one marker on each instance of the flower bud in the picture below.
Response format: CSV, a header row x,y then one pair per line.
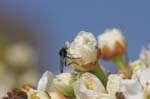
x,y
111,43
63,84
82,51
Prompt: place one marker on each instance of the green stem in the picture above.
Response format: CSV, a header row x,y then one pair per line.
x,y
119,63
98,71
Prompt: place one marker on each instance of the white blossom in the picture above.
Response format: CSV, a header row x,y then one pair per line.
x,y
88,87
63,84
83,48
111,43
131,88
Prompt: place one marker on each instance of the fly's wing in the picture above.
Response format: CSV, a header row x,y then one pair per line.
x,y
61,63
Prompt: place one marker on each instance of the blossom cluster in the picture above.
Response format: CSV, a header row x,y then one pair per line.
x,y
90,80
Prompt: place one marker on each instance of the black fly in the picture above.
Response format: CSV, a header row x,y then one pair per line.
x,y
63,58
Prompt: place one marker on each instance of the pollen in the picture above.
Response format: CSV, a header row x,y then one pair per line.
x,y
26,88
33,96
89,85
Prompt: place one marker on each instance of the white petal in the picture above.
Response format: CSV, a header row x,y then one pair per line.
x,y
145,55
38,94
114,84
132,89
81,90
90,77
77,86
136,68
85,38
63,83
110,37
135,96
83,47
43,95
131,86
105,96
137,73
56,95
145,77
45,81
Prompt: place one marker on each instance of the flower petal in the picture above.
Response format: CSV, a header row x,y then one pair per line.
x,y
63,84
105,96
56,95
113,84
88,86
144,78
45,81
83,48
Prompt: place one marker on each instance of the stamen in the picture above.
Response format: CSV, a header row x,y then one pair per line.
x,y
26,88
89,85
33,96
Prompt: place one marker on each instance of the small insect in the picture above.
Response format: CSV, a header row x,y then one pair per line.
x,y
63,58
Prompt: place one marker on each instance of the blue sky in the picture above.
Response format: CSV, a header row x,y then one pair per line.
x,y
58,21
